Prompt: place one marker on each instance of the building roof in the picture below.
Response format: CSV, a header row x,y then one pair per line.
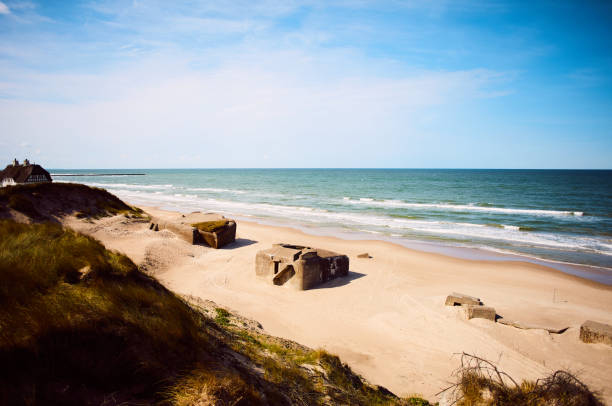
x,y
21,173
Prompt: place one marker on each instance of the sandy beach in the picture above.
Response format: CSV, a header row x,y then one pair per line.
x,y
387,319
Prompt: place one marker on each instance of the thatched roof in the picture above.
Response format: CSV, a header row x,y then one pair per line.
x,y
21,173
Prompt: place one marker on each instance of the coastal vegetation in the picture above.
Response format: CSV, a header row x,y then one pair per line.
x,y
481,383
210,226
50,201
80,324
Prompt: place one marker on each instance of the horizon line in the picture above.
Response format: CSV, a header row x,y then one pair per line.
x,y
336,168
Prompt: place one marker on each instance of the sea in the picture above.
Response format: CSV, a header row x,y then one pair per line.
x,y
561,218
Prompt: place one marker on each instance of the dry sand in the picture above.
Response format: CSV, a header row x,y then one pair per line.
x,y
387,319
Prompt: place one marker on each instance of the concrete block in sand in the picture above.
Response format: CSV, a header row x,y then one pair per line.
x,y
299,267
203,228
479,312
218,234
459,299
594,332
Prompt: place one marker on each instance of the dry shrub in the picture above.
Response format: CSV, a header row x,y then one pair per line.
x,y
481,383
203,387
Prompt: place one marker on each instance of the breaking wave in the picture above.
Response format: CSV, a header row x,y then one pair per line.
x,y
216,190
374,223
462,207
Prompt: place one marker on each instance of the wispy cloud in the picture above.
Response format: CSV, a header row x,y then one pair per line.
x,y
268,103
4,8
222,74
261,78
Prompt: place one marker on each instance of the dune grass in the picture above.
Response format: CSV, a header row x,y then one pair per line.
x,y
46,201
23,205
81,325
311,376
222,316
75,314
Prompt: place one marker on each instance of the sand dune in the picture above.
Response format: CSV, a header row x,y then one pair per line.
x,y
387,319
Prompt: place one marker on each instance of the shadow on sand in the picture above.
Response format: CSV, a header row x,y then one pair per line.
x,y
335,283
239,243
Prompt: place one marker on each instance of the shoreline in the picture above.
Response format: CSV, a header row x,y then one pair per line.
x,y
562,238
387,319
593,273
520,260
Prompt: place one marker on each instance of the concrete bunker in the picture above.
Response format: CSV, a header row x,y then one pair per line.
x,y
211,229
283,276
299,267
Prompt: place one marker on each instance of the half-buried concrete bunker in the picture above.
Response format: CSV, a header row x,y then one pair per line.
x,y
299,267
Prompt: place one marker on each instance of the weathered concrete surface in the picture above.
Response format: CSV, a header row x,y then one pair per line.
x,y
217,238
459,299
184,229
299,267
479,312
594,332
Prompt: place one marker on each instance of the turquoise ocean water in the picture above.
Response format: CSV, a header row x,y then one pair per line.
x,y
558,215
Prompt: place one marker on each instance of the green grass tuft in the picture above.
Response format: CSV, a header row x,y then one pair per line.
x,y
210,226
222,316
417,401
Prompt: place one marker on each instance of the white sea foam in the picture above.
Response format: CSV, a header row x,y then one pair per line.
x,y
463,207
362,201
375,223
216,190
369,231
524,255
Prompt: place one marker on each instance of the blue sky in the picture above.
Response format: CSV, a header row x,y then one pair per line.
x,y
348,83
